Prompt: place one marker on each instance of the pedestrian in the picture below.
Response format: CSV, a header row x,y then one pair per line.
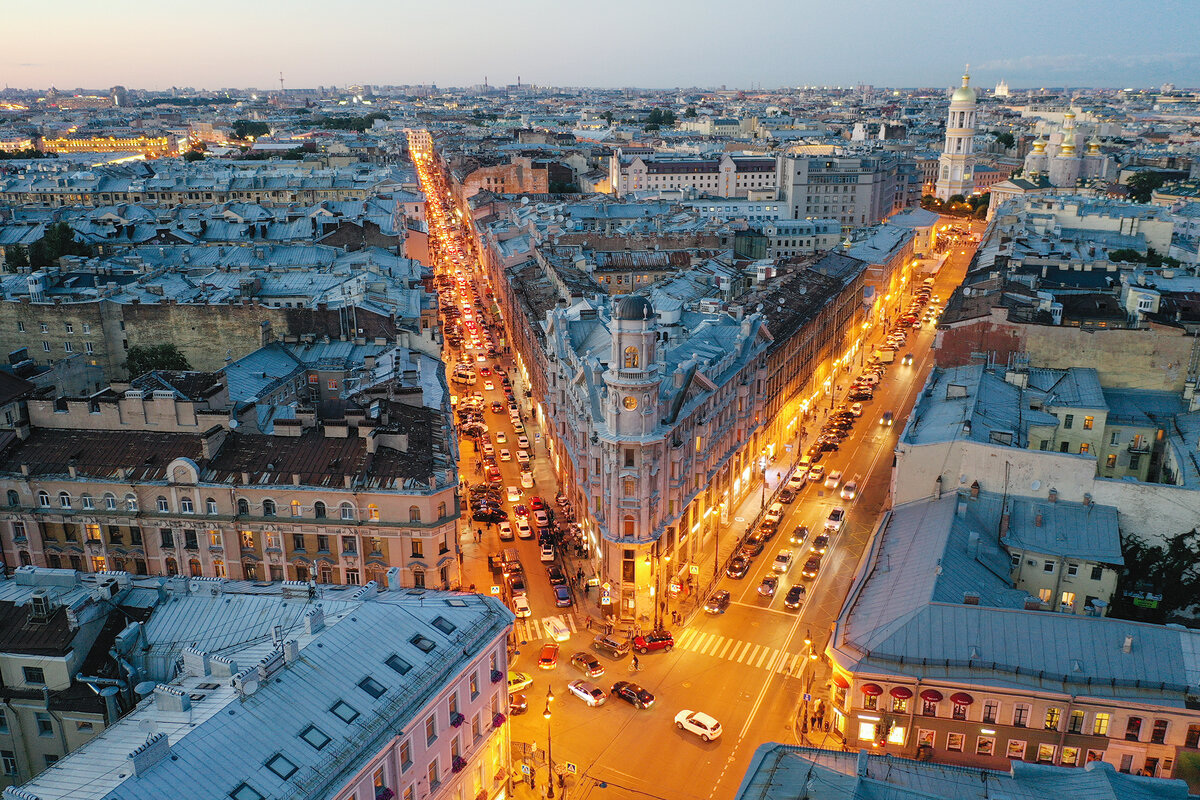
x,y
636,665
579,574
589,623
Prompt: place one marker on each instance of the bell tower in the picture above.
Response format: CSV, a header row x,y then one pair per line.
x,y
957,162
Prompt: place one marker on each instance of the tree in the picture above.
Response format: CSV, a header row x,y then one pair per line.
x,y
608,115
956,198
58,241
1168,570
244,129
1143,184
17,257
690,112
193,155
1005,139
147,358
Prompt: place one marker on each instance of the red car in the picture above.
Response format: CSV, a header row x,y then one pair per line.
x,y
657,640
537,504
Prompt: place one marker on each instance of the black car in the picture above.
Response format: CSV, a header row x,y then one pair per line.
x,y
516,584
556,575
820,543
633,694
718,602
485,514
738,567
751,547
829,446
860,397
799,535
786,495
794,597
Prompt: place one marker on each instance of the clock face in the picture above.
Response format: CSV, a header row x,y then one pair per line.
x,y
630,402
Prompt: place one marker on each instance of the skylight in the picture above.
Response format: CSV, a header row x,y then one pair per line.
x,y
444,625
313,735
246,792
398,664
372,687
344,711
281,766
423,643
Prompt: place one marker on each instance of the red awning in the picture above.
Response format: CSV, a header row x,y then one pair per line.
x,y
840,682
872,689
901,692
932,695
961,699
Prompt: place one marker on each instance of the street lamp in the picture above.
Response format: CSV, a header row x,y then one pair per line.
x,y
549,743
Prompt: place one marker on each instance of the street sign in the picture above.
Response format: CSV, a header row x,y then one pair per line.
x,y
694,569
496,590
525,769
807,697
571,768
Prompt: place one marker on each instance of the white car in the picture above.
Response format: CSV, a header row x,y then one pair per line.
x,y
505,455
699,723
541,517
501,437
506,531
836,519
527,480
521,606
514,494
523,529
588,692
489,385
774,513
850,490
796,482
834,479
783,561
547,554
522,441
857,409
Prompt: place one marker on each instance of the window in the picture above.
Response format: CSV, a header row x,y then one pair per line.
x,y
1048,566
68,347
1075,723
954,741
631,357
1193,737
9,760
433,773
1088,422
322,543
347,511
474,685
314,737
1134,460
1097,572
349,544
344,711
45,327
319,510
45,726
1115,438
430,729
87,327
46,347
295,508
34,676
372,687
166,537
131,503
1111,461
14,499
414,514
245,791
44,499
629,487
64,500
373,513
281,766
1053,716
1133,728
1045,753
110,502
1072,569
89,347
1020,715
1100,725
1158,734
268,508
401,666
1068,421
210,506
298,541
417,550
1084,447
991,710
20,327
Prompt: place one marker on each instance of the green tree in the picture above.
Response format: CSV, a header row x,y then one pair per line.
x,y
193,155
244,128
1143,184
16,257
58,241
608,116
1005,139
1167,569
690,112
146,358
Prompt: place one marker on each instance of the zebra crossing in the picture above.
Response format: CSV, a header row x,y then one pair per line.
x,y
532,629
742,652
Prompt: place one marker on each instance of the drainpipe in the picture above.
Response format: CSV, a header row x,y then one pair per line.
x,y
1066,722
111,712
912,716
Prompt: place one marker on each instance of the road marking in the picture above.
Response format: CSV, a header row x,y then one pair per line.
x,y
687,636
766,652
757,647
742,652
701,642
714,644
725,649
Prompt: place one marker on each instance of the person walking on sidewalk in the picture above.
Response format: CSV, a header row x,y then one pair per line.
x,y
636,665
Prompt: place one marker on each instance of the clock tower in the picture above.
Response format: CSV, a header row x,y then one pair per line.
x,y
633,374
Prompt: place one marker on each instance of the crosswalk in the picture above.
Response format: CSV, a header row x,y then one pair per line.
x,y
752,655
531,629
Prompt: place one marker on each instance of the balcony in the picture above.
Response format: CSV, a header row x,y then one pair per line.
x,y
1139,446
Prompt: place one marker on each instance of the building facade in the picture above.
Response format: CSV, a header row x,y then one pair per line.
x,y
852,189
955,176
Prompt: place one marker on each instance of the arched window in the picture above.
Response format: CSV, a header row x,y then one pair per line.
x,y
14,499
131,502
325,573
186,505
64,500
243,507
319,510
373,512
87,502
219,568
194,567
414,514
631,357
419,578
44,499
441,510
162,504
250,570
25,559
172,566
630,526
268,508
210,506
110,502
295,508
347,511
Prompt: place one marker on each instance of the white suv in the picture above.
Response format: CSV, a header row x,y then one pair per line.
x,y
836,519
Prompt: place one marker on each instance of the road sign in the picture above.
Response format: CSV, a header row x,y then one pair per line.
x,y
694,570
525,769
571,768
807,697
495,590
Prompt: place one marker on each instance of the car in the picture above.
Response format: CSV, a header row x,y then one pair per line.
x,y
513,494
799,535
523,457
521,511
611,647
768,586
907,360
489,514
506,531
836,519
860,397
537,504
523,529
633,694
521,606
768,529
794,597
501,437
517,704
505,455
556,575
811,567
751,547
774,512
699,723
655,640
834,479
796,482
548,657
829,445
886,420
518,681
526,480
820,543
816,474
718,602
738,567
547,553
588,692
782,562
588,664
786,495
516,584
523,441
541,517
562,596
850,490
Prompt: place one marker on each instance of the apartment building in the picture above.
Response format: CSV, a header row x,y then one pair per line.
x,y
788,238
726,175
855,190
284,690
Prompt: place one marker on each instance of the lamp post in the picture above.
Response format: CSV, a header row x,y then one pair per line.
x,y
549,744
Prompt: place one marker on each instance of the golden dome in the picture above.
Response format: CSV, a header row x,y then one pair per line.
x,y
964,93
1093,146
1039,145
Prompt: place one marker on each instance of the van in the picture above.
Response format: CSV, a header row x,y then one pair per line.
x,y
610,646
512,561
555,629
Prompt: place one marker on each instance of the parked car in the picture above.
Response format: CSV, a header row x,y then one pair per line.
x,y
588,692
655,640
737,568
796,482
699,723
518,681
514,494
588,664
547,553
816,474
633,694
718,603
521,606
774,513
523,529
506,531
751,547
786,495
548,657
526,479
562,596
794,597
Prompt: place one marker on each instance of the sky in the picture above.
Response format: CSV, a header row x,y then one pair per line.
x,y
613,43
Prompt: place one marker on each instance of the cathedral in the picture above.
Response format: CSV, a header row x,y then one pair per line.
x,y
957,162
1058,160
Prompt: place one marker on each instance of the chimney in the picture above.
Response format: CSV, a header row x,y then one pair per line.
x,y
1087,498
153,751
1037,519
1127,646
975,490
1004,522
973,544
314,621
864,759
1053,495
971,598
211,441
195,662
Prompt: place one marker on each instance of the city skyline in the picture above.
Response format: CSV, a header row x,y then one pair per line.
x,y
671,44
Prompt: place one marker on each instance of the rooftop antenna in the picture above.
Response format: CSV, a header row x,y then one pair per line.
x,y
281,91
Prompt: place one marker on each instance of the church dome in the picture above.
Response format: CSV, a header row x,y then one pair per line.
x,y
964,93
633,307
1039,145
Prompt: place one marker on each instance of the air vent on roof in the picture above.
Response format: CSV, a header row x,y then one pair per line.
x,y
41,606
169,698
971,598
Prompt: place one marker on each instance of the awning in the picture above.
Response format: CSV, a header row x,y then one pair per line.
x,y
901,692
840,682
872,689
931,695
961,699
